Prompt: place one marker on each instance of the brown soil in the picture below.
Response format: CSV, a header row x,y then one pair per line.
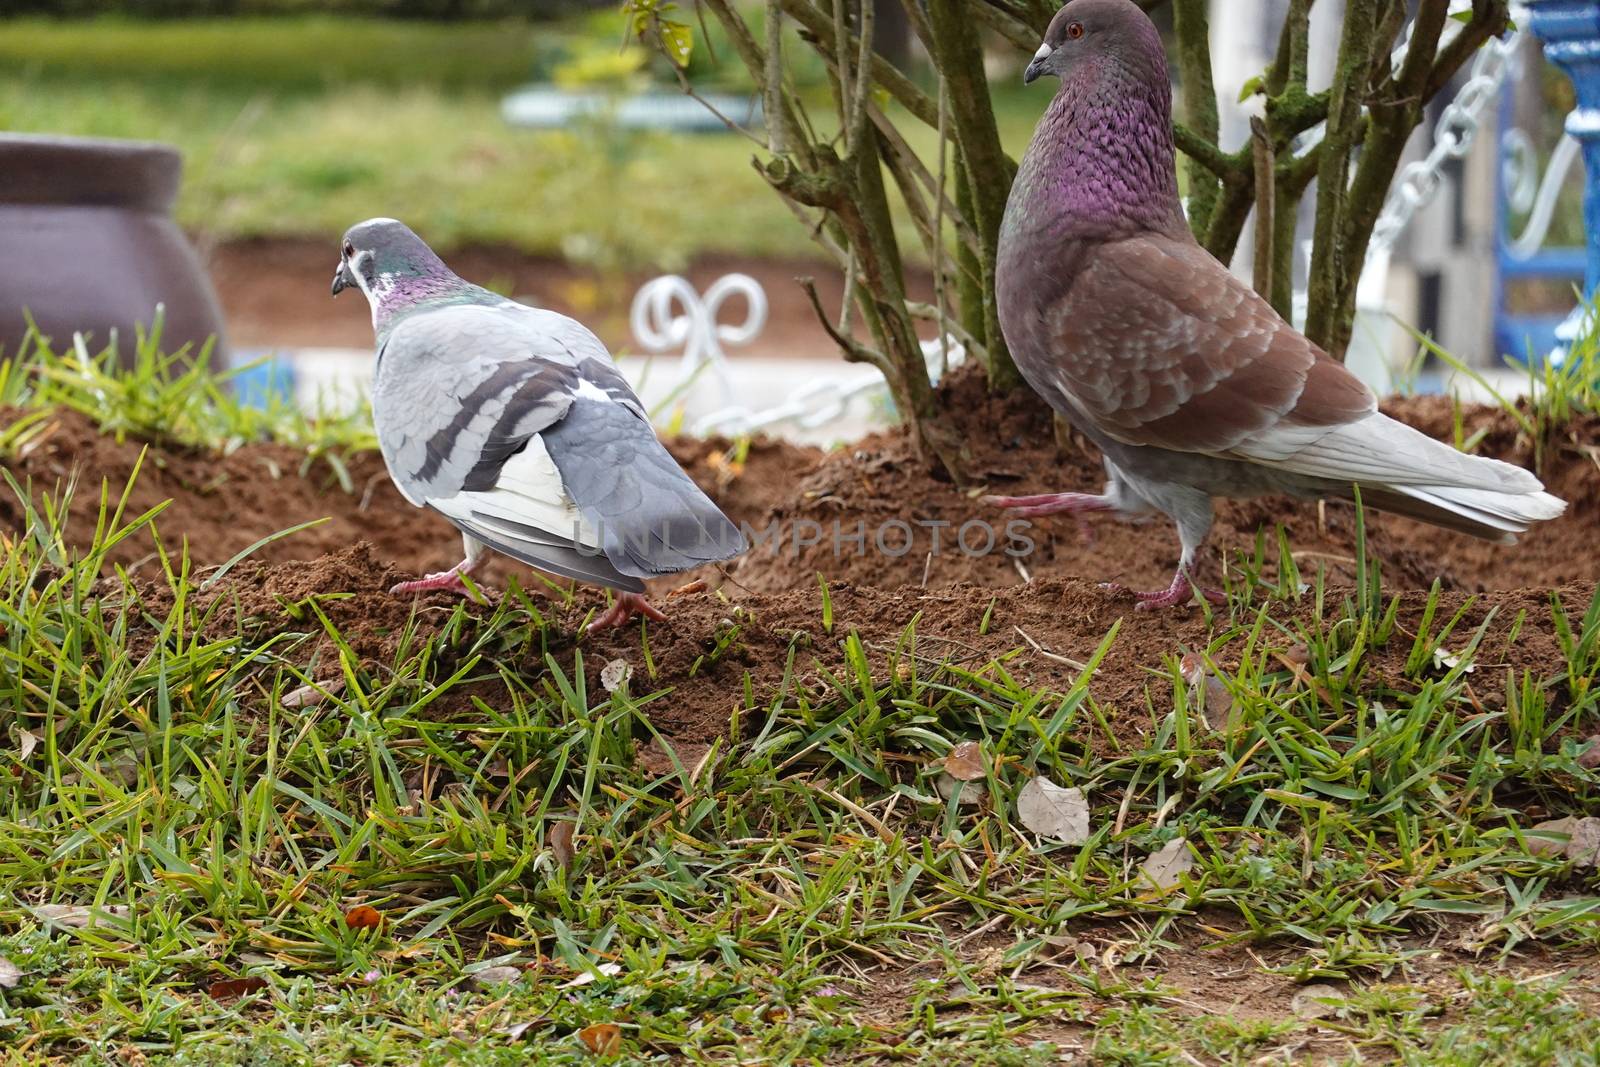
x,y
1012,451
221,505
968,609
274,293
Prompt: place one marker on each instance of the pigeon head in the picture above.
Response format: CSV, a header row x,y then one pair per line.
x,y
1102,163
1091,40
393,267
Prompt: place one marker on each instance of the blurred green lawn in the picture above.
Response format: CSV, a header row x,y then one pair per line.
x,y
302,126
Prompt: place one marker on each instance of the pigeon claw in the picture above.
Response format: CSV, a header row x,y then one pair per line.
x,y
449,581
627,605
1181,591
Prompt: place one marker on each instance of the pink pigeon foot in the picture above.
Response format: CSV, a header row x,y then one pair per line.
x,y
1076,504
626,606
450,580
1179,592
1029,507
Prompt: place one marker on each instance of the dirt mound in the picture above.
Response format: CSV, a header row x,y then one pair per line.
x,y
967,608
870,514
221,505
711,644
881,487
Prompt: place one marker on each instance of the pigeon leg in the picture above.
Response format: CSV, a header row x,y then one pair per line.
x,y
1029,507
451,579
625,607
1076,504
1191,511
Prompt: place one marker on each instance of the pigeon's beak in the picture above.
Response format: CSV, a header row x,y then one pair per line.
x,y
342,279
1036,66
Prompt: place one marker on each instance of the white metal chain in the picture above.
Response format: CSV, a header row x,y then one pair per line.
x,y
822,401
668,313
1453,136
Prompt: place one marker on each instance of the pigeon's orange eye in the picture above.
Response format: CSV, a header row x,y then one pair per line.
x,y
349,250
1075,30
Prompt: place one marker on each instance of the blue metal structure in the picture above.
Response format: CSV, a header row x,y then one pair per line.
x,y
262,376
1570,30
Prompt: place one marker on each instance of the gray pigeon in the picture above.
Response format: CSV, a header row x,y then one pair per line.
x,y
1187,381
513,423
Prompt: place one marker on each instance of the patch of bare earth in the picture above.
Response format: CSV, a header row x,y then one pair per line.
x,y
969,607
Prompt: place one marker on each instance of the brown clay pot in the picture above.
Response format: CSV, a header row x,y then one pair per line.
x,y
87,243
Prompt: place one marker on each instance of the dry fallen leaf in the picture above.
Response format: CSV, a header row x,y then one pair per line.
x,y
1444,659
515,1030
363,917
972,793
615,675
965,762
605,970
492,976
561,844
1317,1000
1052,811
79,916
1162,867
1576,839
10,974
1208,695
309,696
232,988
122,769
602,1039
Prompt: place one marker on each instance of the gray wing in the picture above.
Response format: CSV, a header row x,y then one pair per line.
x,y
459,399
650,517
459,390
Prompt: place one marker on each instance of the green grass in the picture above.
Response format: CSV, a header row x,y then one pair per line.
x,y
310,54
1556,394
305,126
805,894
165,397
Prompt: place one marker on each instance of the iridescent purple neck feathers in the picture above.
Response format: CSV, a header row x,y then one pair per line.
x,y
1101,164
396,296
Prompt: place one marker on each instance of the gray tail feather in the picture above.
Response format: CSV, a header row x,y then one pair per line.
x,y
537,548
651,517
695,534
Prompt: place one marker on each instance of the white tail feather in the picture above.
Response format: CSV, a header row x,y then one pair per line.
x,y
1378,450
1511,513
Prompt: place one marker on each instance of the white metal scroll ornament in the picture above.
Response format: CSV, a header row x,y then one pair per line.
x,y
668,314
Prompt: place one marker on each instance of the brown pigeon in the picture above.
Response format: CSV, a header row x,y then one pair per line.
x,y
1186,379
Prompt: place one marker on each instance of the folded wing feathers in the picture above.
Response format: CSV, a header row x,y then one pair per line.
x,y
1379,449
622,511
470,403
529,493
1403,470
528,516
